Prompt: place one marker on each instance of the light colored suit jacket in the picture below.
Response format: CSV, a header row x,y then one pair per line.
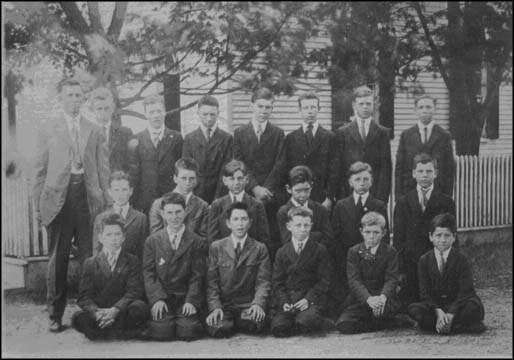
x,y
53,167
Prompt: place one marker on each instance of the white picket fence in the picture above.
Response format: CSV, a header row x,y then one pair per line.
x,y
482,193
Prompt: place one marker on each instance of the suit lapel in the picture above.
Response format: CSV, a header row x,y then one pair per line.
x,y
320,134
191,205
266,135
246,250
412,199
165,143
450,263
199,138
85,131
291,253
216,138
372,132
228,246
353,129
164,244
102,262
185,243
62,131
305,254
131,215
120,263
434,136
351,209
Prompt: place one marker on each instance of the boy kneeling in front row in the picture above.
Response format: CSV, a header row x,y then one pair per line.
x,y
301,277
111,288
373,276
449,303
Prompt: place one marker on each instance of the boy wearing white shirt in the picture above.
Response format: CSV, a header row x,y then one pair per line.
x,y
449,303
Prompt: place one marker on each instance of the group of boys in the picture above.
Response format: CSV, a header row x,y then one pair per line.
x,y
213,245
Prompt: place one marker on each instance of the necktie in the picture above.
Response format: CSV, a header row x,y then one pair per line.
x,y
424,198
360,206
362,130
300,248
76,149
155,139
233,199
174,242
441,263
119,211
259,133
310,135
238,250
112,260
209,134
425,135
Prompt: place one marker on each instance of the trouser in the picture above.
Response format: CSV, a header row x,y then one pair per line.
x,y
133,318
73,221
409,292
234,319
358,318
271,208
286,324
183,327
468,313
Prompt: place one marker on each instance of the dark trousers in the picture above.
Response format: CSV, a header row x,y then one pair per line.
x,y
133,318
73,221
358,318
271,208
234,321
409,292
286,324
467,314
183,327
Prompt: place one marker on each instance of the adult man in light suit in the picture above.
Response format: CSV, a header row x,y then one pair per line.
x,y
365,140
70,188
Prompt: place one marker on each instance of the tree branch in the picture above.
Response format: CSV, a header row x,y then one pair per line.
x,y
435,51
79,54
75,19
118,17
94,17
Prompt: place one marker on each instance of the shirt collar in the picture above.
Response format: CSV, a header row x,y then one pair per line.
x,y
187,196
445,253
315,126
373,250
296,243
364,197
366,121
297,204
124,209
429,191
116,254
263,125
213,129
429,126
239,197
179,234
153,131
235,241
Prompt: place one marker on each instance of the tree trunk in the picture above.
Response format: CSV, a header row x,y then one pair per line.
x,y
386,86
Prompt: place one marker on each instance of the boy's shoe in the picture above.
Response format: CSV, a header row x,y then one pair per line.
x,y
55,326
475,328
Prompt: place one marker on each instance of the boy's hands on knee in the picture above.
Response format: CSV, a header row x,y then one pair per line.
x,y
444,321
377,304
214,317
158,310
257,313
302,304
188,309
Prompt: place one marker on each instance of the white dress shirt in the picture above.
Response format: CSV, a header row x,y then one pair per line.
x,y
256,124
363,196
315,126
297,204
239,197
367,122
421,130
70,121
204,130
242,241
438,256
428,194
112,261
124,209
179,234
297,243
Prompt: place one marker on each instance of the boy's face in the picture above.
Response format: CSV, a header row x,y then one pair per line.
x,y
103,110
424,174
239,222
309,110
174,215
363,106
112,237
208,115
262,109
425,109
372,234
120,192
186,181
361,182
300,227
300,192
442,238
155,115
236,183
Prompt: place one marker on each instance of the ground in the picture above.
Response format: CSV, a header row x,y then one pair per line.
x,y
25,331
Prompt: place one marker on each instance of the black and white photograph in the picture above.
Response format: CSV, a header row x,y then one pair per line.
x,y
231,179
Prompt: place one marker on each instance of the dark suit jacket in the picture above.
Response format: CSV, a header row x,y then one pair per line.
x,y
136,231
321,229
346,221
260,158
411,224
195,220
119,136
376,151
211,157
322,159
439,146
301,276
52,167
152,169
169,273
450,290
217,226
243,284
101,288
372,277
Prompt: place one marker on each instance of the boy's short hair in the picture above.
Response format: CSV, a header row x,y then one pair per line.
x,y
445,220
100,93
111,219
208,100
306,96
232,166
119,175
173,198
361,91
239,205
152,99
423,158
67,82
358,167
299,174
299,211
262,93
424,96
186,163
373,218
